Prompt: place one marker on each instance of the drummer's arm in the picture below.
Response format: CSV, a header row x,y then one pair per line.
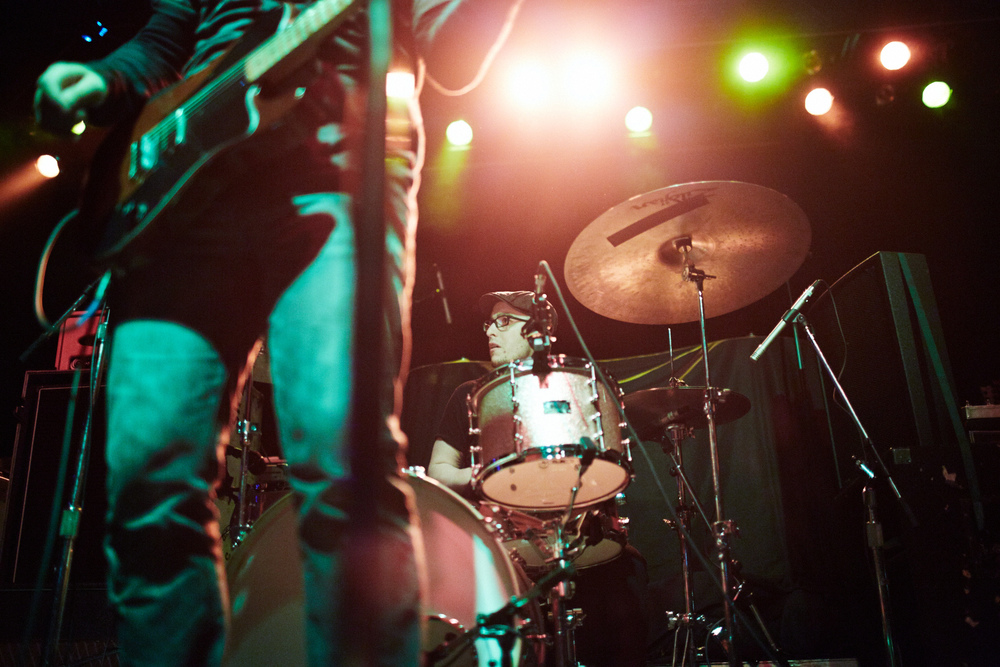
x,y
444,467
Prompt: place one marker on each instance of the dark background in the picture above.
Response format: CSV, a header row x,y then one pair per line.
x,y
891,177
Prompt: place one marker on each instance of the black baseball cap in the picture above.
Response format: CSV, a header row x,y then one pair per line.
x,y
520,300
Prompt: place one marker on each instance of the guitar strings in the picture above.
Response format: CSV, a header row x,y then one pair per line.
x,y
269,53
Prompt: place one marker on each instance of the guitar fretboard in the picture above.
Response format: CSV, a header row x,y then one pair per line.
x,y
170,131
308,23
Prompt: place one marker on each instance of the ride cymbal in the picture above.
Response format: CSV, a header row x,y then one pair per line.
x,y
628,264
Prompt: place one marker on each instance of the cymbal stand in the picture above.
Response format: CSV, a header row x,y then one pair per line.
x,y
721,528
686,621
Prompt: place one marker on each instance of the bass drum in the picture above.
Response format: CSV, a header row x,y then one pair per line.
x,y
468,573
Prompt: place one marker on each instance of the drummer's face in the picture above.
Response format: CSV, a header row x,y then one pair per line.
x,y
507,345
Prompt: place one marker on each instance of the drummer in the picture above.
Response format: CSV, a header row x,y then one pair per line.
x,y
612,595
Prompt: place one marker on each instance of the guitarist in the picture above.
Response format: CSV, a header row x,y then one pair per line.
x,y
262,243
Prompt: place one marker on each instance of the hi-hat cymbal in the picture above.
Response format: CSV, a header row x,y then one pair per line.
x,y
626,264
651,411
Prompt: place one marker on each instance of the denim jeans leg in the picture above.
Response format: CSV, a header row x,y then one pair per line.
x,y
310,346
166,395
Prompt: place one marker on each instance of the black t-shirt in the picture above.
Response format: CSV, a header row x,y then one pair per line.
x,y
454,425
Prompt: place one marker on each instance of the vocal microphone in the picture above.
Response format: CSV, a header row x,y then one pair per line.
x,y
540,318
789,315
444,295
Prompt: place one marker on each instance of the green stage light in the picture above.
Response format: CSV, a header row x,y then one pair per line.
x,y
753,67
760,69
936,94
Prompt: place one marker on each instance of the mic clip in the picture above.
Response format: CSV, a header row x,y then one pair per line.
x,y
538,330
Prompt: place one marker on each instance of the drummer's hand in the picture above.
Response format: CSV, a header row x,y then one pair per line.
x,y
63,94
444,467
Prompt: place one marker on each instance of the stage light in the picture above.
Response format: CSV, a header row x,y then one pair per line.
x,y
459,133
819,101
400,85
79,128
638,120
47,166
529,84
894,55
588,78
753,67
936,94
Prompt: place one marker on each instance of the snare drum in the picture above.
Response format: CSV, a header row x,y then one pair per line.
x,y
469,573
537,430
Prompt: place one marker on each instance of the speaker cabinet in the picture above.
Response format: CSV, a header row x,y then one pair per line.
x,y
34,478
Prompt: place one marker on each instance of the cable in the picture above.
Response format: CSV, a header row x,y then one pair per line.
x,y
487,61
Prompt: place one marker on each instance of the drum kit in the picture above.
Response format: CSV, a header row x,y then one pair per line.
x,y
553,443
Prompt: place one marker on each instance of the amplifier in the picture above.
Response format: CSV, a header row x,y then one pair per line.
x,y
33,483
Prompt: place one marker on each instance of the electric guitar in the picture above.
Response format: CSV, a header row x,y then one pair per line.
x,y
141,169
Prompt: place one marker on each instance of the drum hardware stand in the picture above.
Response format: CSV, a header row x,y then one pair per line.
x,y
872,526
499,624
249,434
565,619
686,621
721,528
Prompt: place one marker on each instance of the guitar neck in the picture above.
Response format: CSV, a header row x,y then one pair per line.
x,y
316,21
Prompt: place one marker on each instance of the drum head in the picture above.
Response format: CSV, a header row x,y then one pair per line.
x,y
539,431
468,572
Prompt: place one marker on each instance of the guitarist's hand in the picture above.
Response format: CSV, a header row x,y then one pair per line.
x,y
64,93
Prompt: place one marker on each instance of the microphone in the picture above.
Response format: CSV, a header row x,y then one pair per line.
x,y
539,285
538,329
444,295
789,315
540,318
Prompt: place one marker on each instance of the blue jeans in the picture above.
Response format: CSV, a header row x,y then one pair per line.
x,y
183,323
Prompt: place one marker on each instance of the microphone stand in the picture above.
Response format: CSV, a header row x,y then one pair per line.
x,y
500,622
70,521
872,526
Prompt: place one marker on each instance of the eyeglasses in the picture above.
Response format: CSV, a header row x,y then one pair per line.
x,y
503,322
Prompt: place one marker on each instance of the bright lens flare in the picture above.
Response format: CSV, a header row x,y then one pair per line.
x,y
47,166
638,119
400,85
753,67
894,56
459,133
79,128
588,78
529,84
819,101
936,94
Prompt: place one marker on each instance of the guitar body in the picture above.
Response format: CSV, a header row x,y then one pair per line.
x,y
142,169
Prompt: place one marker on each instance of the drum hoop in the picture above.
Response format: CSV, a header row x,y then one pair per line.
x,y
558,363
